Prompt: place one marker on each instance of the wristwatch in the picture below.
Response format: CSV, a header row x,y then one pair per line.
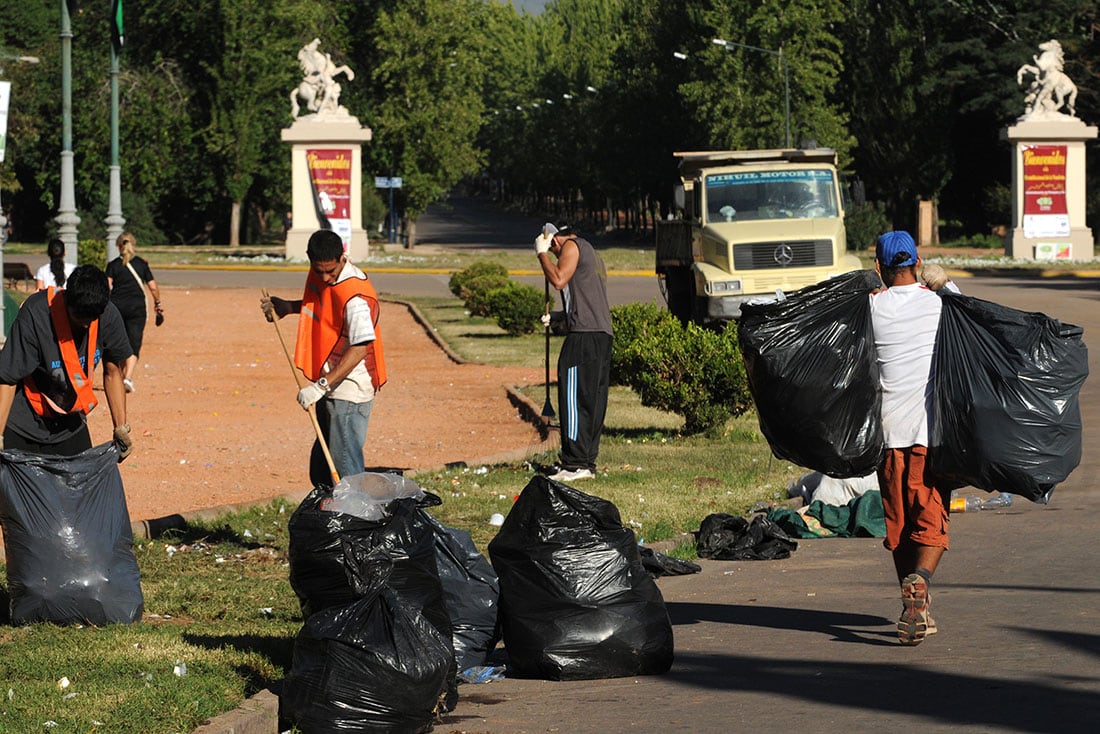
x,y
323,384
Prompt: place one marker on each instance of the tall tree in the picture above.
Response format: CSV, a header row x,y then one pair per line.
x,y
428,105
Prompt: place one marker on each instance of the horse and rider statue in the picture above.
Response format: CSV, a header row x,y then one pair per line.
x,y
1050,89
318,89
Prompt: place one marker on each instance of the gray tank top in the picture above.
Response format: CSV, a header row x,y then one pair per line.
x,y
585,295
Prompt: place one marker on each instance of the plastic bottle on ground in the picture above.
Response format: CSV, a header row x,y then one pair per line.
x,y
973,503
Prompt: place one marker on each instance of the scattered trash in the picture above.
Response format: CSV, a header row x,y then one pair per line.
x,y
481,674
63,683
179,669
496,519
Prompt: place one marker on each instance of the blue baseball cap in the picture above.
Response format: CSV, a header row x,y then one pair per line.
x,y
890,248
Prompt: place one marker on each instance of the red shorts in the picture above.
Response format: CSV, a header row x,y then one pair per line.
x,y
914,509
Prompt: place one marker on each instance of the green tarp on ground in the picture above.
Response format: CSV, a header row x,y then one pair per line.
x,y
861,517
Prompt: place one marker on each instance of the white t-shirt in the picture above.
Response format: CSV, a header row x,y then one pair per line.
x,y
905,319
46,275
358,329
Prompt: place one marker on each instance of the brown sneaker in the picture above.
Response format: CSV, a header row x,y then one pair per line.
x,y
913,623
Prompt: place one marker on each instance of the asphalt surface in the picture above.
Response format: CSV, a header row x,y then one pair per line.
x,y
809,643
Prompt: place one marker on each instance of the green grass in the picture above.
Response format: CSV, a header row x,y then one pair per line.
x,y
221,603
382,257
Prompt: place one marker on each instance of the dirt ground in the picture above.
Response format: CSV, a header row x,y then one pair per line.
x,y
216,422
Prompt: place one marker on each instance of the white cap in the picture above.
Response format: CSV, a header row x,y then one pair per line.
x,y
549,230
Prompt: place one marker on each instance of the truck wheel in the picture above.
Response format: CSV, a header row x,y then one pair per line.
x,y
681,294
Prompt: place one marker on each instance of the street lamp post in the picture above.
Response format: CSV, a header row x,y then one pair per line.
x,y
115,221
67,218
729,45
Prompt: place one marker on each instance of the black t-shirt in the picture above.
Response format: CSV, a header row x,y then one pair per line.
x,y
32,351
125,291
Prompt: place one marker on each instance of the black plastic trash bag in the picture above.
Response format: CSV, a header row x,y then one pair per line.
x,y
328,549
575,601
335,558
725,537
658,564
67,538
471,591
1006,413
374,665
810,364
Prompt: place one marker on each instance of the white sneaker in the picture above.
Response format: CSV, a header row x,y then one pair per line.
x,y
565,475
128,384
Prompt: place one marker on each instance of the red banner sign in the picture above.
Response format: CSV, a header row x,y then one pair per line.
x,y
1044,179
330,177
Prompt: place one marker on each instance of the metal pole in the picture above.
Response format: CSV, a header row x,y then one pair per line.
x,y
393,215
786,95
67,218
115,220
786,77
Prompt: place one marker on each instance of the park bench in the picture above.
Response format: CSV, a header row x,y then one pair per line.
x,y
17,275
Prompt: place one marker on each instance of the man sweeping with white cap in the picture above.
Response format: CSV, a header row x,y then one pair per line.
x,y
584,363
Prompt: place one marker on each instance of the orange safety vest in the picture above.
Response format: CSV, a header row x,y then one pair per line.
x,y
322,320
79,378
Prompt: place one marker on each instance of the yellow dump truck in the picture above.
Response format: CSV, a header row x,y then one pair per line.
x,y
754,222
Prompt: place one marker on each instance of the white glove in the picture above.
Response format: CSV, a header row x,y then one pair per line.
x,y
934,276
310,394
542,243
545,319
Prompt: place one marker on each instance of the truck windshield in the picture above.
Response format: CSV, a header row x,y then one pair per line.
x,y
755,195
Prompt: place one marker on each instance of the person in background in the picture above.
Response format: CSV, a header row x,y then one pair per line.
x,y
584,363
56,271
129,276
46,367
339,350
905,317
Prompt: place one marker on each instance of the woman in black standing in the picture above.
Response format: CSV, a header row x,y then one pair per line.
x,y
129,276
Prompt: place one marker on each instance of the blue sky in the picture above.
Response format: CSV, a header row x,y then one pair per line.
x,y
531,6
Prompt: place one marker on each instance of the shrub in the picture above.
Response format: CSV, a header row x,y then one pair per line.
x,y
476,292
92,252
863,223
517,307
461,278
694,372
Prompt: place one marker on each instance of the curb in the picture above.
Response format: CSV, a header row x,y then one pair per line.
x,y
259,714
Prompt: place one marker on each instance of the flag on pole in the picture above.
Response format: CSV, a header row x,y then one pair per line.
x,y
117,35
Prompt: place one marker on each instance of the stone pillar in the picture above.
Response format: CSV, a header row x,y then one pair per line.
x,y
1060,233
324,134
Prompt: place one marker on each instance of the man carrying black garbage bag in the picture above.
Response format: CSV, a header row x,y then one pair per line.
x,y
905,317
584,363
46,366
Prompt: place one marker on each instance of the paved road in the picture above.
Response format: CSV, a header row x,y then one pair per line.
x,y
808,643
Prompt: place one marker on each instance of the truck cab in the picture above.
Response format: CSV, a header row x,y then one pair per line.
x,y
754,222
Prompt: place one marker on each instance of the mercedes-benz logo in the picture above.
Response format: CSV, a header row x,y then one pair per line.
x,y
783,255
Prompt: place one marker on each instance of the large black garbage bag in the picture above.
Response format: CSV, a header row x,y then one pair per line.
x,y
471,591
1006,412
327,550
67,538
374,665
335,557
575,601
728,538
810,364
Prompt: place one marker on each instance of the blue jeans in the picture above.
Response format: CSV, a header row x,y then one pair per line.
x,y
344,426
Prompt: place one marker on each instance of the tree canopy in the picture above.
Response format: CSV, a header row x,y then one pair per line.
x,y
575,111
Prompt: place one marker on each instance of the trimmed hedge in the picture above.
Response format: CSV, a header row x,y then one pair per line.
x,y
689,370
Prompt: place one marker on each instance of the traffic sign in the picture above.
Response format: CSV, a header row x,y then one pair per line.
x,y
382,182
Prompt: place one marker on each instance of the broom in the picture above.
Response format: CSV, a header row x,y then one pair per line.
x,y
300,379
